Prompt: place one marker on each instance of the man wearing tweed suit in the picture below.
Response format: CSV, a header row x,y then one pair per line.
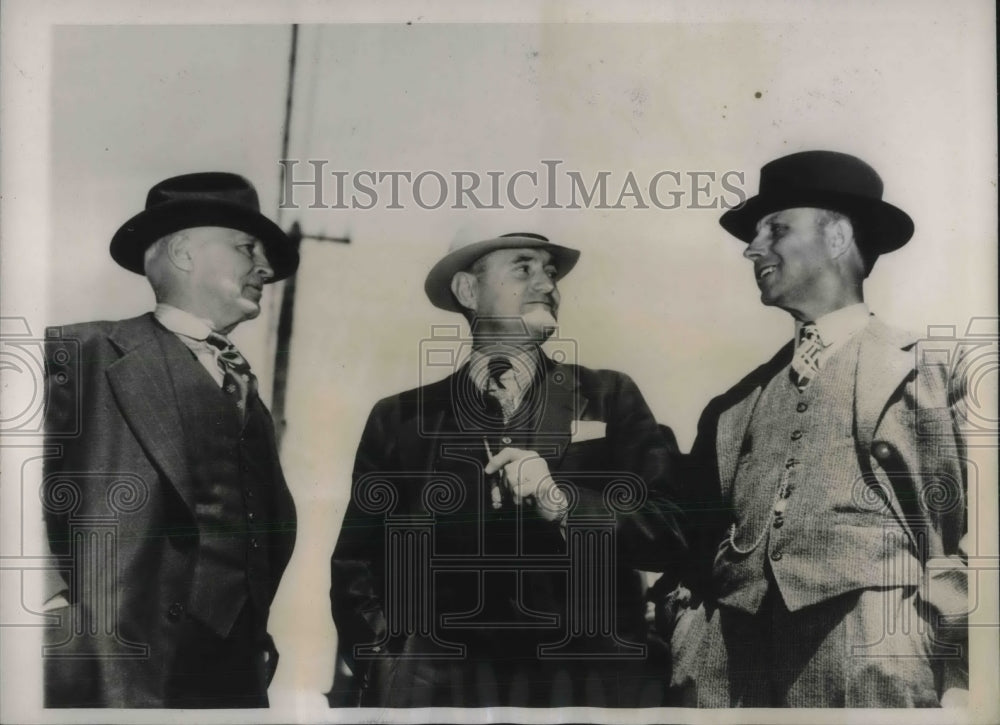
x,y
829,478
176,448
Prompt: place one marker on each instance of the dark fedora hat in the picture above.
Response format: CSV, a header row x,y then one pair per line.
x,y
825,180
206,199
463,252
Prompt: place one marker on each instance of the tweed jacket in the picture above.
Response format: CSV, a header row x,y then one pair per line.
x,y
128,463
410,437
909,446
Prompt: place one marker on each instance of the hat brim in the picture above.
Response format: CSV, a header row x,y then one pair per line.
x,y
130,242
885,227
438,282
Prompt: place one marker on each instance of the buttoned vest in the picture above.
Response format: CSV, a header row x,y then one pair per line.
x,y
232,462
835,533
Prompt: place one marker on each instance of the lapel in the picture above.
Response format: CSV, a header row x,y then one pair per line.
x,y
885,359
563,402
142,385
735,418
425,415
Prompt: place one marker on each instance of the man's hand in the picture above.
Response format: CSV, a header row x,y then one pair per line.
x,y
527,477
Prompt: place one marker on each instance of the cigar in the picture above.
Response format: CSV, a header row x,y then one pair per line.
x,y
496,495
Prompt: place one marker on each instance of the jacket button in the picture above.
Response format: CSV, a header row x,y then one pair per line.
x,y
775,556
778,523
882,451
251,516
254,544
796,434
802,407
175,611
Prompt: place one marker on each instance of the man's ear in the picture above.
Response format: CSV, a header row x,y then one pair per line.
x,y
465,287
179,251
839,235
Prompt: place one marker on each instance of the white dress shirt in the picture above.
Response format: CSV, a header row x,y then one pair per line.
x,y
192,331
837,327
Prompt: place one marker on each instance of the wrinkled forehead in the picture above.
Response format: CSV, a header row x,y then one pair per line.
x,y
799,216
219,235
506,257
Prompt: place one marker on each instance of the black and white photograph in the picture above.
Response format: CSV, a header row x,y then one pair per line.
x,y
473,362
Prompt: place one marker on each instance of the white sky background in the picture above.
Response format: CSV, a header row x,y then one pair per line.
x,y
663,295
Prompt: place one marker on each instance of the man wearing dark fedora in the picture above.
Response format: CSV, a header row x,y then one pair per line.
x,y
827,486
521,461
167,512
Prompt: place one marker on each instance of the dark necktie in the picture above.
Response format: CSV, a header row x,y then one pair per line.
x,y
806,362
496,390
238,382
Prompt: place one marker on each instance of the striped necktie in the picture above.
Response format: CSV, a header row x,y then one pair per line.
x,y
238,382
806,362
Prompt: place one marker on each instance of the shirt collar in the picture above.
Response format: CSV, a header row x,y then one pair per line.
x,y
524,363
837,326
182,322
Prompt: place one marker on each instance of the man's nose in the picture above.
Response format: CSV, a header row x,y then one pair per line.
x,y
543,282
262,267
757,247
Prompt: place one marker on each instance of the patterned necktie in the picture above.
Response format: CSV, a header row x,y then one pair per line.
x,y
503,394
238,382
806,363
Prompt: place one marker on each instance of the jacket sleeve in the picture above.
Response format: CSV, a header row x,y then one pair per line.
x,y
358,563
919,455
62,422
946,419
650,536
706,514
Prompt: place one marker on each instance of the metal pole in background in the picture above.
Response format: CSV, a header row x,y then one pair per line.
x,y
286,312
284,334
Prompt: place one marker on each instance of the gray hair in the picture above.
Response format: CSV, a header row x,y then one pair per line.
x,y
155,264
859,263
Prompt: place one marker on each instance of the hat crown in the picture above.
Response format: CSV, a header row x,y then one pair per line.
x,y
827,171
208,186
203,199
462,241
825,180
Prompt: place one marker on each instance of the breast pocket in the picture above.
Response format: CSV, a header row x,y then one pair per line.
x,y
593,455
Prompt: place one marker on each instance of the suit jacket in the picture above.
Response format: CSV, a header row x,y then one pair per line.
x,y
423,435
908,443
128,465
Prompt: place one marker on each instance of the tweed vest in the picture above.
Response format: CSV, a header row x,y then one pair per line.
x,y
232,463
834,533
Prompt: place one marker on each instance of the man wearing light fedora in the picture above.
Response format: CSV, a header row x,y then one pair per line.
x,y
167,510
512,457
830,480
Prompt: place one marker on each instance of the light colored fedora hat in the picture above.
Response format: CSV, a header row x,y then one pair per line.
x,y
463,252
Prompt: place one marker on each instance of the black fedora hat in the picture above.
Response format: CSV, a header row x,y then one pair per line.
x,y
825,180
205,199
